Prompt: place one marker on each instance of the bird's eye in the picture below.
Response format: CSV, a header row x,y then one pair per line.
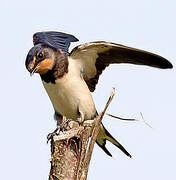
x,y
40,55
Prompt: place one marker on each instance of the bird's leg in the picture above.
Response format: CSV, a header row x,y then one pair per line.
x,y
60,127
59,119
62,121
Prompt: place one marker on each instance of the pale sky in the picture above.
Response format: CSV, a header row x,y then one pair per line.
x,y
27,114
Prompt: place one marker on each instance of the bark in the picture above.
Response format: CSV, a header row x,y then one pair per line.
x,y
72,149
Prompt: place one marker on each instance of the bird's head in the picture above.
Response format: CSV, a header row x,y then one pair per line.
x,y
49,47
40,59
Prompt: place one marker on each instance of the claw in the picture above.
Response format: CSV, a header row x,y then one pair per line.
x,y
55,132
62,127
59,128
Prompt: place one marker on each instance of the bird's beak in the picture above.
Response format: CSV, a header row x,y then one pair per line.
x,y
33,70
31,64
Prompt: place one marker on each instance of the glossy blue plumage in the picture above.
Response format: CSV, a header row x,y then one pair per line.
x,y
57,40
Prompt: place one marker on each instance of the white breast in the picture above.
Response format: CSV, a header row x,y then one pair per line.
x,y
71,93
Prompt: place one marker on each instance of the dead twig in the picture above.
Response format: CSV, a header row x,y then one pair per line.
x,y
127,119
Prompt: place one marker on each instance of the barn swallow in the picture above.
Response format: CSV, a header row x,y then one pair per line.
x,y
69,78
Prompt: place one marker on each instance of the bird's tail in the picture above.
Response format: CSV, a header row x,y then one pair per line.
x,y
105,135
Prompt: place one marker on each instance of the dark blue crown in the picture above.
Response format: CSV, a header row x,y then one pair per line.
x,y
54,39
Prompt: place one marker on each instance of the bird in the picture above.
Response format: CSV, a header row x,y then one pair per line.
x,y
69,78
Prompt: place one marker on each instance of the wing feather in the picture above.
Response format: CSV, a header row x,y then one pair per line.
x,y
96,56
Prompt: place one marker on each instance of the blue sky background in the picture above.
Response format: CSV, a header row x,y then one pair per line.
x,y
27,114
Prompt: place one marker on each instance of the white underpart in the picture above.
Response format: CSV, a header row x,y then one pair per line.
x,y
70,93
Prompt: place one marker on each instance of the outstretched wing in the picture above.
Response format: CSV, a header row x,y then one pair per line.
x,y
57,40
94,57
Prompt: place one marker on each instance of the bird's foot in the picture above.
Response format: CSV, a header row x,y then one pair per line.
x,y
59,128
55,132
